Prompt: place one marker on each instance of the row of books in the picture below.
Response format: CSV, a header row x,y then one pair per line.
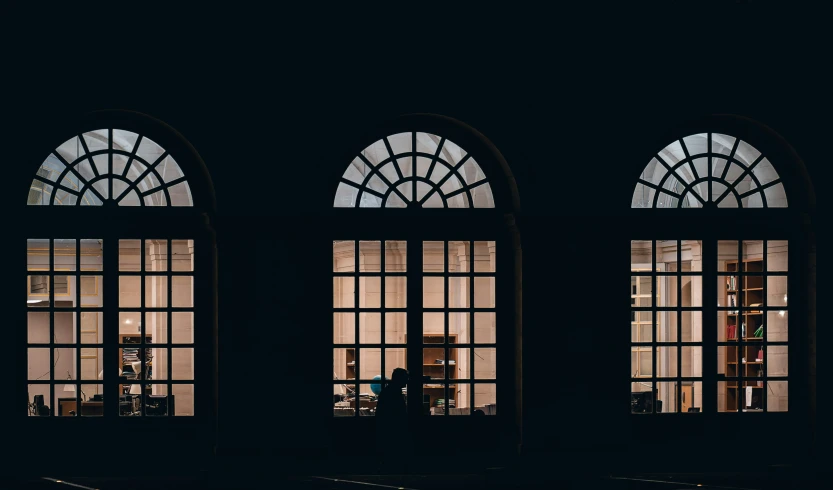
x,y
732,331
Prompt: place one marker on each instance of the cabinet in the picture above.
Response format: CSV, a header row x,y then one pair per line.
x,y
434,389
741,326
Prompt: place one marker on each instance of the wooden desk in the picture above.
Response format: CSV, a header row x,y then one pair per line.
x,y
87,408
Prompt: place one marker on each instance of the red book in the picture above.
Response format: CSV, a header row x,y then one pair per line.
x,y
760,355
731,332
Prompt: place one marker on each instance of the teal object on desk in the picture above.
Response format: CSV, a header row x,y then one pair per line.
x,y
376,388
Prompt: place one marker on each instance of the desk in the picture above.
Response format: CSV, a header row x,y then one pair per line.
x,y
65,405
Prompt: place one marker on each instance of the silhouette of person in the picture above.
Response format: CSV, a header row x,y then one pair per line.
x,y
392,423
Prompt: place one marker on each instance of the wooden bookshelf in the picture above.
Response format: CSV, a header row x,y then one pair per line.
x,y
744,292
435,388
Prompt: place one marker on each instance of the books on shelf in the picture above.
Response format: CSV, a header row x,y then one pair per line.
x,y
731,331
731,283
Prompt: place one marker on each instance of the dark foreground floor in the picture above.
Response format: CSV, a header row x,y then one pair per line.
x,y
774,479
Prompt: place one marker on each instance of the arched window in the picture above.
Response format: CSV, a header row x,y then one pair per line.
x,y
428,290
709,295
110,164
119,310
414,169
709,168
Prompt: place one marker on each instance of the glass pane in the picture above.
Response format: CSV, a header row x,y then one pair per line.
x,y
666,362
485,399
691,396
692,328
484,292
92,291
396,328
395,357
182,363
129,296
458,256
776,326
157,327
370,363
344,292
777,396
667,397
459,397
182,331
37,254
65,328
776,290
157,402
485,328
370,292
369,256
396,292
458,291
183,398
727,255
728,396
692,291
130,323
64,255
156,255
642,397
344,367
40,400
484,256
129,258
433,257
183,291
433,292
38,328
485,360
692,361
370,328
434,396
39,364
433,325
776,360
727,361
344,328
666,326
458,327
156,291
344,259
777,255
396,256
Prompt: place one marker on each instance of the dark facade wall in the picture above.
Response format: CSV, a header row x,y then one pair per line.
x,y
576,134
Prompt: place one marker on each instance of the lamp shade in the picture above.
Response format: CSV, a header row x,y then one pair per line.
x,y
69,388
135,390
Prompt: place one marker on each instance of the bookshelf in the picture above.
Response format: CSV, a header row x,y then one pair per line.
x,y
127,357
746,292
436,371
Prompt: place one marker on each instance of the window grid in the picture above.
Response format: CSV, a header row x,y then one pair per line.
x,y
735,175
472,380
76,310
359,347
744,342
70,175
414,169
143,311
654,379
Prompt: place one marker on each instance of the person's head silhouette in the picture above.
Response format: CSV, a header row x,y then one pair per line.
x,y
399,377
